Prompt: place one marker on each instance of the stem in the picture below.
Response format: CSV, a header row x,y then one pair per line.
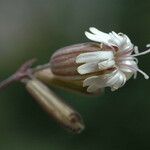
x,y
7,82
24,71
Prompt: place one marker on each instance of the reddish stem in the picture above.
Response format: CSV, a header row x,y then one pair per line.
x,y
24,71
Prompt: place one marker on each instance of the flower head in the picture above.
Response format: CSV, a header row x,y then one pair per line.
x,y
115,59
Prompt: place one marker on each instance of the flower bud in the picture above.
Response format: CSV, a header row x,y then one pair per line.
x,y
56,108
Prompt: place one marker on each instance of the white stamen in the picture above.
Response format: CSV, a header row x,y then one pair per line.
x,y
139,70
148,45
142,72
136,50
142,53
129,58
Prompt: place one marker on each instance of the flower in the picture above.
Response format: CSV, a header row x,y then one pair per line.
x,y
115,57
62,70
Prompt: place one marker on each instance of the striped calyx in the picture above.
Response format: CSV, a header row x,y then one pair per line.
x,y
63,61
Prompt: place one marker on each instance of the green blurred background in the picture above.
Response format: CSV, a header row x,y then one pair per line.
x,y
36,28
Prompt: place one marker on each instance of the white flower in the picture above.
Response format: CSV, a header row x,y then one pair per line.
x,y
117,59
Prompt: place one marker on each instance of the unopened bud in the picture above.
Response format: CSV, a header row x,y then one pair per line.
x,y
55,107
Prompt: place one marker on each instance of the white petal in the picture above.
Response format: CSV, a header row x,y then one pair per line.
x,y
90,80
94,56
126,44
130,74
112,79
116,39
106,64
117,80
93,88
94,83
92,37
127,71
117,36
127,47
127,39
120,40
88,68
100,33
120,82
97,38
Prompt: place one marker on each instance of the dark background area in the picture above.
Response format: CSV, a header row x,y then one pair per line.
x,y
36,28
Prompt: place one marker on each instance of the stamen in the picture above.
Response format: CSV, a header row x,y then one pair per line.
x,y
136,50
142,53
137,69
148,45
142,72
125,53
129,58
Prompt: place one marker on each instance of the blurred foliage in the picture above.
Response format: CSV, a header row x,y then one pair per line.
x,y
114,121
